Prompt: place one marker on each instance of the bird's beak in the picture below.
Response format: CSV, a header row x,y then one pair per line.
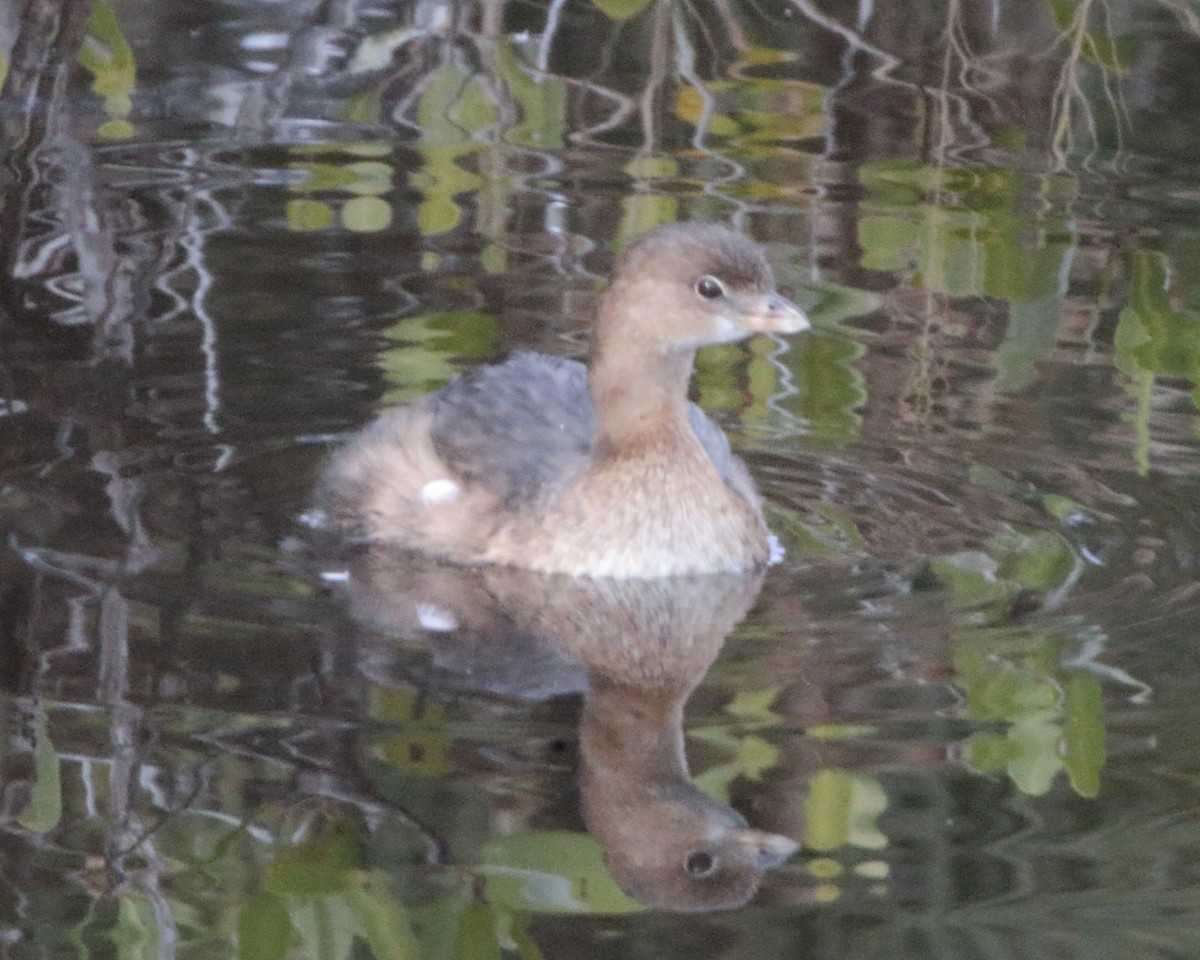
x,y
769,313
765,850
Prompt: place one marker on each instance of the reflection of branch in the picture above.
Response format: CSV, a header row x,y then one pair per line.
x,y
687,71
887,62
713,44
50,36
198,215
192,243
654,82
733,29
624,107
957,51
316,778
1186,14
1113,92
548,32
1068,90
126,834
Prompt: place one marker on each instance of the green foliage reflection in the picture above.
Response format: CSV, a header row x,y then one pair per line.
x,y
1051,714
45,807
107,55
1156,336
429,347
960,232
551,871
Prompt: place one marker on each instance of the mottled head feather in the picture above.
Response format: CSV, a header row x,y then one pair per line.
x,y
705,248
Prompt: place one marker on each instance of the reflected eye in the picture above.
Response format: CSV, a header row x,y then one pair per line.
x,y
710,288
699,863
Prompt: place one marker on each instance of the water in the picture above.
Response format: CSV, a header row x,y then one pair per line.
x,y
234,232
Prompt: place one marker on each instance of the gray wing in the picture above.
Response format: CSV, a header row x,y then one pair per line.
x,y
715,444
517,427
521,426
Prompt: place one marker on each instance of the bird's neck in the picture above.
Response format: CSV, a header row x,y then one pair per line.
x,y
632,739
638,385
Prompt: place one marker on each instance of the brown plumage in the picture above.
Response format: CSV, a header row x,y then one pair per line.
x,y
537,463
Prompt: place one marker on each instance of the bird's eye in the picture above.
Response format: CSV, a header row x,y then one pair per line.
x,y
710,287
699,863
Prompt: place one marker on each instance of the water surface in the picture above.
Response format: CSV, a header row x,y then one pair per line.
x,y
234,232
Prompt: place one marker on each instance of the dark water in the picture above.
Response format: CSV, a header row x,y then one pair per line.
x,y
233,232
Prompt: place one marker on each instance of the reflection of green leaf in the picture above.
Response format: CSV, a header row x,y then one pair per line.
x,y
826,388
885,241
326,863
477,934
831,388
644,208
760,117
45,807
1052,714
441,179
326,917
363,108
621,9
1083,735
1031,336
367,214
364,180
428,345
717,379
135,934
424,747
304,215
1035,760
1038,560
642,211
324,925
115,130
1012,563
264,930
822,530
436,921
842,809
381,920
107,55
1129,335
1172,337
1154,338
962,230
797,121
830,304
527,947
362,177
551,872
971,577
754,756
454,107
542,99
690,105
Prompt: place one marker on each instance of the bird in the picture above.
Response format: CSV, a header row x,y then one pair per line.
x,y
607,470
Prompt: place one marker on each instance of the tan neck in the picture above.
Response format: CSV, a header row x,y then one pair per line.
x,y
638,384
632,739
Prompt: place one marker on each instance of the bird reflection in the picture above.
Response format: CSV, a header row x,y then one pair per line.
x,y
637,649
